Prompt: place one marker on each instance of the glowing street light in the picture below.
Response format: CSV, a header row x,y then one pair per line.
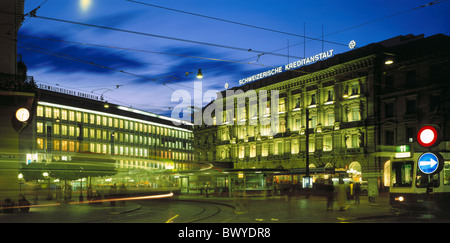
x,y
85,4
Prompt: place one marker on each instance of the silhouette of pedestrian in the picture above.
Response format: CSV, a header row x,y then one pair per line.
x,y
8,206
330,195
24,204
112,195
342,196
357,192
123,193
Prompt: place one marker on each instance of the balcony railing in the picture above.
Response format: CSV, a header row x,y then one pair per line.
x,y
11,82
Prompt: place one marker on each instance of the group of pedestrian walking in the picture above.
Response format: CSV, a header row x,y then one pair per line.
x,y
342,194
8,206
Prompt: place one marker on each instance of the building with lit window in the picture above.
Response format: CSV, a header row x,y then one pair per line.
x,y
360,105
68,123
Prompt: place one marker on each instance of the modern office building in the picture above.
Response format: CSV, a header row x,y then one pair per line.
x,y
69,124
343,116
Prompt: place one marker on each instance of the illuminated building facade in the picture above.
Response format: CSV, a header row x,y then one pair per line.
x,y
68,123
356,116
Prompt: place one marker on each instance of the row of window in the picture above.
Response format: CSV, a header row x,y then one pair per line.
x,y
280,126
73,146
59,114
310,100
279,148
91,133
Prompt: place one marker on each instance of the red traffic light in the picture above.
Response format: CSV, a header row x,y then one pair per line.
x,y
428,136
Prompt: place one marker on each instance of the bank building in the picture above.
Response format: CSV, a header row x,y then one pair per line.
x,y
342,116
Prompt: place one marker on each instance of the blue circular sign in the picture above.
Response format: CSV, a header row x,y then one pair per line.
x,y
428,163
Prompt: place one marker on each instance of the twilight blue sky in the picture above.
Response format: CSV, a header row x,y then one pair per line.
x,y
93,68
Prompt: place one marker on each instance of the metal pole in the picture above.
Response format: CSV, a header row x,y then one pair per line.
x,y
307,142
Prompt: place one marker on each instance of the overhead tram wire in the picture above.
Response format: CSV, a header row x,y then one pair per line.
x,y
65,56
425,5
234,22
154,52
144,51
359,25
369,22
156,36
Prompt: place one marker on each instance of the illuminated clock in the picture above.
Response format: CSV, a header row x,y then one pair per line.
x,y
22,114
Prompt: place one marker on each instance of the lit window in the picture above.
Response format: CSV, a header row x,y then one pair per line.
x,y
40,143
355,114
265,150
48,112
71,116
330,119
72,131
64,145
92,118
64,130
64,114
282,107
56,113
241,152
86,132
40,111
92,135
56,145
71,146
253,151
40,127
327,143
56,129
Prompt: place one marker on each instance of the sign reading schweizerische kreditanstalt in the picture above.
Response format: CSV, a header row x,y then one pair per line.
x,y
287,67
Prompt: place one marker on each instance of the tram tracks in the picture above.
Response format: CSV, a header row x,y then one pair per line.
x,y
207,211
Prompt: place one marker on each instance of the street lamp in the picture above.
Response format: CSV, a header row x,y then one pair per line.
x,y
199,74
389,59
20,176
46,176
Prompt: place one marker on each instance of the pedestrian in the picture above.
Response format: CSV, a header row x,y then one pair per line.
x,y
357,192
329,190
24,204
122,193
8,206
207,187
342,196
112,194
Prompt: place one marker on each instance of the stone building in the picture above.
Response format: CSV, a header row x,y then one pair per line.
x,y
361,104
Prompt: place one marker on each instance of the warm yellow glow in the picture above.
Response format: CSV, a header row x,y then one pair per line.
x,y
22,114
85,4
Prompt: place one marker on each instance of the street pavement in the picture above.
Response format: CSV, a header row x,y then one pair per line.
x,y
295,209
299,209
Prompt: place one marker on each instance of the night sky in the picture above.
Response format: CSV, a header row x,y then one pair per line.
x,y
146,57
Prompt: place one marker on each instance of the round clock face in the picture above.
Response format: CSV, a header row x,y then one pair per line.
x,y
22,114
